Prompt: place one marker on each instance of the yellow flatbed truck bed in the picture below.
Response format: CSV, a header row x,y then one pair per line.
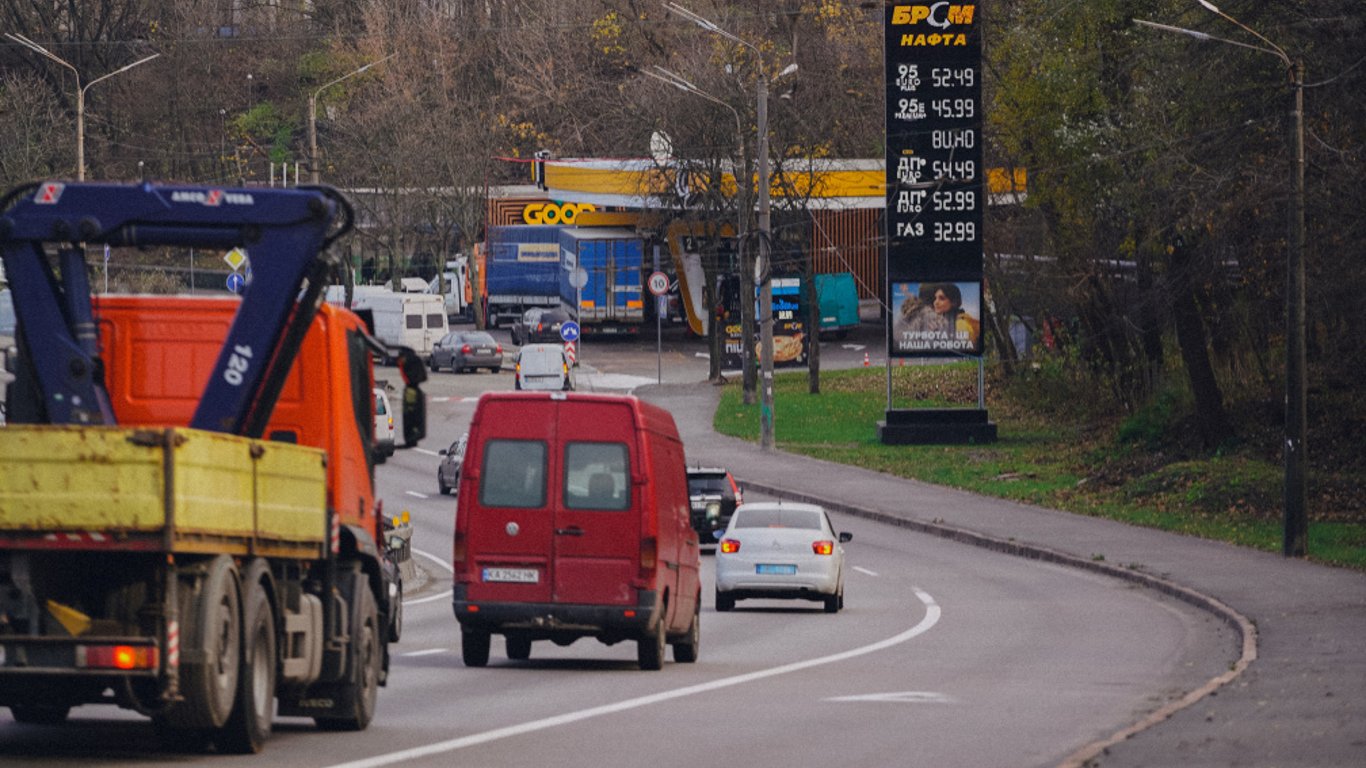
x,y
176,490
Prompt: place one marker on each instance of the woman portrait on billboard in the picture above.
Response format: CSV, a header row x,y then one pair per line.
x,y
935,312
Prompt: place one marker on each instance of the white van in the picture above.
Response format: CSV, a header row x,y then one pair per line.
x,y
416,320
544,366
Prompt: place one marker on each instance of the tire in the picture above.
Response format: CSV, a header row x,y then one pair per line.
x,y
359,693
685,652
250,725
441,485
211,627
518,647
724,602
650,648
474,647
40,714
835,602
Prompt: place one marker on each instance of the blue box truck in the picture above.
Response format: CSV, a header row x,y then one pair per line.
x,y
521,270
609,263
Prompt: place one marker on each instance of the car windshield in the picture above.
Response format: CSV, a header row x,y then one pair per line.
x,y
778,518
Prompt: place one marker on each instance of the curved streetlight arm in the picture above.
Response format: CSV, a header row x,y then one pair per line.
x,y
314,176
120,70
1273,48
1208,38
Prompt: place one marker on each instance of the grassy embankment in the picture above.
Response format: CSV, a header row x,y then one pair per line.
x,y
1064,447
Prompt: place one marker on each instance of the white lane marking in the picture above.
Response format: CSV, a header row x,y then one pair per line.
x,y
416,494
431,598
442,747
425,451
865,571
855,347
428,652
904,697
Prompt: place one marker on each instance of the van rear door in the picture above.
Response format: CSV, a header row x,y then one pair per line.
x,y
598,517
511,530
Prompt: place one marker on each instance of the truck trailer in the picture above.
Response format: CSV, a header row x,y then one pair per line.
x,y
521,271
600,278
188,521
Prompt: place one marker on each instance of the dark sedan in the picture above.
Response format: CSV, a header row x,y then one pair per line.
x,y
714,495
448,471
539,326
467,351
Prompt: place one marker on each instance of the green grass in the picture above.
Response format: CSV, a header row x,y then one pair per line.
x,y
1077,457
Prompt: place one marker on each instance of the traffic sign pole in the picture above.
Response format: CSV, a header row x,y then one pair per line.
x,y
659,285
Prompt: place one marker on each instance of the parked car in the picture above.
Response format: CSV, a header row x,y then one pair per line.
x,y
466,351
539,324
572,523
448,471
713,495
544,366
780,550
384,426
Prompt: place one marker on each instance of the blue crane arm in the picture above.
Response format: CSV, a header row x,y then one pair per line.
x,y
286,231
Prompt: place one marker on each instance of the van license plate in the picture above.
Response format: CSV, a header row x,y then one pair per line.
x,y
785,570
514,575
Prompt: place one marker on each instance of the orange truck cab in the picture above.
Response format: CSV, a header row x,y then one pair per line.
x,y
573,521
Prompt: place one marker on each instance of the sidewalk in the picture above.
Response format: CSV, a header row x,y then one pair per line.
x,y
1299,701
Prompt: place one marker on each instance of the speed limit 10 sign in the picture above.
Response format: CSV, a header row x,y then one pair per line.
x,y
658,283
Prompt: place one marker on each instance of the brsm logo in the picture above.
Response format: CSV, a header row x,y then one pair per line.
x,y
937,15
555,213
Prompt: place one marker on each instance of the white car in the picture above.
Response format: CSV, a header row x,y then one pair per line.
x,y
384,426
780,550
544,366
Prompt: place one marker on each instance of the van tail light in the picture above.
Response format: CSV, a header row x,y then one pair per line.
x,y
458,549
649,553
499,348
465,350
823,547
730,546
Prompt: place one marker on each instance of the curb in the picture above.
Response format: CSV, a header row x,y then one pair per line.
x,y
1082,757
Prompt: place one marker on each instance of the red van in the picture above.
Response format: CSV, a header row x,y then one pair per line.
x,y
573,521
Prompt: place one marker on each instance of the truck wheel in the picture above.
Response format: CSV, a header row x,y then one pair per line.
x,y
358,694
685,652
650,648
250,724
474,647
183,740
518,648
211,628
40,714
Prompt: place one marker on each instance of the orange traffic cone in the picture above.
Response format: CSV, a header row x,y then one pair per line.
x,y
865,360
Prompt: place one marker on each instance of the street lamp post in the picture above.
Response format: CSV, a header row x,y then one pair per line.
x,y
80,91
762,267
314,176
1296,523
741,173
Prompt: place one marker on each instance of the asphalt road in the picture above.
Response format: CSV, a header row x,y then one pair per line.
x,y
946,655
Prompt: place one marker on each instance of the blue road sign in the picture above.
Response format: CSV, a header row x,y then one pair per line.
x,y
569,331
236,282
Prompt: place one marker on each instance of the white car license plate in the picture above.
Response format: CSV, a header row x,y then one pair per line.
x,y
513,575
783,570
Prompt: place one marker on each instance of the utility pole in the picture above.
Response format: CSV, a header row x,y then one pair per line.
x,y
763,269
313,175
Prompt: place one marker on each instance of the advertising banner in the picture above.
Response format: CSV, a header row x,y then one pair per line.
x,y
936,318
936,190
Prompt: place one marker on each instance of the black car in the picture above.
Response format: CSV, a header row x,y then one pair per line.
x,y
448,471
714,495
539,325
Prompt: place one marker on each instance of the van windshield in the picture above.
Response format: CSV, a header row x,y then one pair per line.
x,y
595,476
513,474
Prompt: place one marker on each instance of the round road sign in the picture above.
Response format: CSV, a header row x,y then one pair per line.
x,y
658,283
569,331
